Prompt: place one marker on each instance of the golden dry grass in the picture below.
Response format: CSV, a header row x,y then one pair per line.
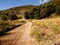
x,y
46,31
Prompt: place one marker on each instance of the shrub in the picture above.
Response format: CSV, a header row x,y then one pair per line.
x,y
58,9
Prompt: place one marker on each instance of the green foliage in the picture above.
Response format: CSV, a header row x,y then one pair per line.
x,y
13,17
44,10
27,16
4,17
58,9
33,14
36,13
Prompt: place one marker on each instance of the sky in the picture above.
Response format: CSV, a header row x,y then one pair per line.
x,y
6,4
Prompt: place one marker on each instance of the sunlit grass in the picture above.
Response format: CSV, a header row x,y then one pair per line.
x,y
46,30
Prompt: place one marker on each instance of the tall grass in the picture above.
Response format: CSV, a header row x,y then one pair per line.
x,y
46,31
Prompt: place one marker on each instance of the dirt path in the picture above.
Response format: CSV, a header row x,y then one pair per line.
x,y
18,36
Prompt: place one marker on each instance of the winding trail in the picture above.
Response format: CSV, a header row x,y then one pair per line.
x,y
18,36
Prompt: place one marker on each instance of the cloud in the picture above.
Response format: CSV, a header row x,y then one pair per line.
x,y
43,1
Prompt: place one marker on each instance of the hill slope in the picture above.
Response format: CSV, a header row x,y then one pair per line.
x,y
46,31
34,12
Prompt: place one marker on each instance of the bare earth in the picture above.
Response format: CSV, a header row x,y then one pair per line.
x,y
18,36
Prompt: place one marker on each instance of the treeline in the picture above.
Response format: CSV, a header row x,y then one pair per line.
x,y
44,10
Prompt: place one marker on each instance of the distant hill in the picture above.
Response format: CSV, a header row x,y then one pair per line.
x,y
17,10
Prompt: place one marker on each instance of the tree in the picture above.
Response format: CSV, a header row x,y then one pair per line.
x,y
57,9
26,15
13,17
35,13
4,17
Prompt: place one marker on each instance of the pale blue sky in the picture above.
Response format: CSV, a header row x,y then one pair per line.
x,y
5,4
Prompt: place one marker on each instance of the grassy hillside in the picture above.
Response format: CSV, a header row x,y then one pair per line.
x,y
6,26
34,12
11,18
18,11
47,10
46,31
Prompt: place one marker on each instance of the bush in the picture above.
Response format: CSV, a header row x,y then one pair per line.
x,y
4,17
58,9
13,17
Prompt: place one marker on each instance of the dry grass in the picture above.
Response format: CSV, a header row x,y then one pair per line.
x,y
46,31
